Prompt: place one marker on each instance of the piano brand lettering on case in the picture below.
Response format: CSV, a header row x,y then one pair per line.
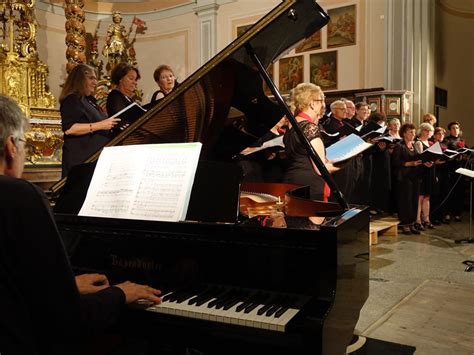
x,y
135,263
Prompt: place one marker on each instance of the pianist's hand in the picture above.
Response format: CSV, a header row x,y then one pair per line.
x,y
134,292
90,283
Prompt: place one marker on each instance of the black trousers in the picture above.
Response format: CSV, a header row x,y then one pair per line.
x,y
407,192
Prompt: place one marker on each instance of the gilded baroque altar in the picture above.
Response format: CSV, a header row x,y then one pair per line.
x,y
23,78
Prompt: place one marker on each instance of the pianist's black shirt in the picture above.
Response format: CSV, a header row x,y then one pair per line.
x,y
41,310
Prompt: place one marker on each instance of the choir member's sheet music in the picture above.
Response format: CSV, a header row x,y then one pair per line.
x,y
346,148
146,182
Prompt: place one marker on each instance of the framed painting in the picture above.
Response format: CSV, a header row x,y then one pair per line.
x,y
323,69
342,26
374,104
392,106
291,73
310,43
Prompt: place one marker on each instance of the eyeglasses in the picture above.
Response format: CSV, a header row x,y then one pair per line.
x,y
30,150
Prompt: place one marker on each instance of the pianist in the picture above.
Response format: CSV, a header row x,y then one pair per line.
x,y
42,310
86,128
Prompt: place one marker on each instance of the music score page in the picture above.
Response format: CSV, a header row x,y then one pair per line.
x,y
143,182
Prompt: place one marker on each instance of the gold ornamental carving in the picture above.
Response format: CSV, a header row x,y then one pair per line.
x,y
76,31
23,74
23,78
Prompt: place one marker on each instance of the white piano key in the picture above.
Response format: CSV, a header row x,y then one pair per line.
x,y
230,316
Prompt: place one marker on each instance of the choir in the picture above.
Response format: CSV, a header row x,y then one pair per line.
x,y
396,177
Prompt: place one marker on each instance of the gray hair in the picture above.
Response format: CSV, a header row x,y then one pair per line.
x,y
393,120
12,121
337,104
425,126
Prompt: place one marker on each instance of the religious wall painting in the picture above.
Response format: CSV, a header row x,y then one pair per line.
x,y
311,43
323,69
242,29
291,73
374,104
392,106
341,30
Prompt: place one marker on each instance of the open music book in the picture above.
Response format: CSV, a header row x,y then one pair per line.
x,y
128,115
432,154
276,143
145,182
346,148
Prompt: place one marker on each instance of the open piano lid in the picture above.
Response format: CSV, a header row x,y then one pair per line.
x,y
198,109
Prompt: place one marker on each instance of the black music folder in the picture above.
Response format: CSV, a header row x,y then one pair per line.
x,y
432,154
128,115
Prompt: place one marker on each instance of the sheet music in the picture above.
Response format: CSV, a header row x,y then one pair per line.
x,y
346,148
146,182
465,172
275,142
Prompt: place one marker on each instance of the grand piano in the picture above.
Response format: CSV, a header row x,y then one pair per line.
x,y
230,283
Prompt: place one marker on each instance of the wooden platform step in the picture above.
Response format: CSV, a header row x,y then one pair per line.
x,y
383,226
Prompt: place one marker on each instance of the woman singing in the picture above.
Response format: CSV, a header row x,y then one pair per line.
x,y
85,126
309,106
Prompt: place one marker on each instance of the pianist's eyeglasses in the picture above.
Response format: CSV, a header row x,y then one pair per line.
x,y
30,150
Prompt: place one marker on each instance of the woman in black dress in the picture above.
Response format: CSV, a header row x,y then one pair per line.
x,y
406,163
440,186
124,76
86,128
425,132
308,100
166,80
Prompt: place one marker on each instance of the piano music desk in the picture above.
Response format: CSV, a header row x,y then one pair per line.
x,y
385,226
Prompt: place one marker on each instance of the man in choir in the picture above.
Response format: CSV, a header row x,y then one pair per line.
x,y
350,108
44,309
454,204
338,113
362,112
344,178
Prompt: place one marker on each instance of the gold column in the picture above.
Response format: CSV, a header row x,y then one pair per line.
x,y
75,38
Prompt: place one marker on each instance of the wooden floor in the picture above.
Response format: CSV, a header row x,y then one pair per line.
x,y
419,293
438,317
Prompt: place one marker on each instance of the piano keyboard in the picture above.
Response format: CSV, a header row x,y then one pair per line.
x,y
248,308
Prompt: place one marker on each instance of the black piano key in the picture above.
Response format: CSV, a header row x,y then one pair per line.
x,y
267,305
238,298
207,295
225,298
260,299
168,296
280,312
247,302
276,305
289,301
188,293
219,297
